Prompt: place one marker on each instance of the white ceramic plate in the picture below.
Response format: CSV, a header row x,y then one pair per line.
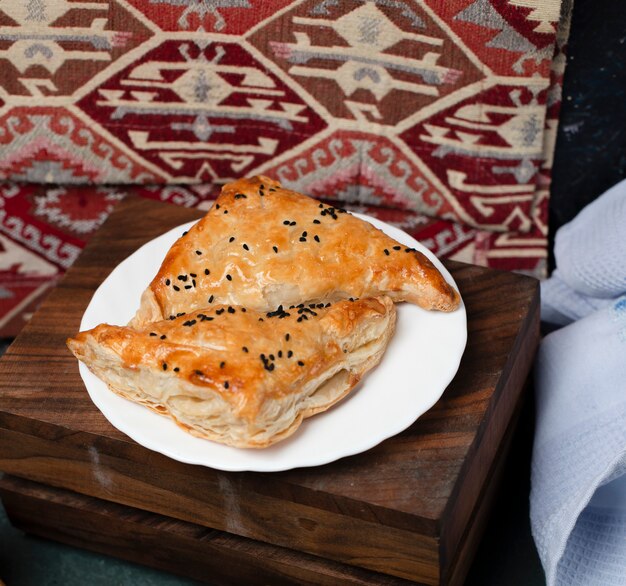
x,y
421,360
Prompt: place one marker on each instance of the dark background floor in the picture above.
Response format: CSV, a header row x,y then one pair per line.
x,y
590,157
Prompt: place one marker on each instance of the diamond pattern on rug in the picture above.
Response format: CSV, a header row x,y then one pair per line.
x,y
202,110
379,62
52,48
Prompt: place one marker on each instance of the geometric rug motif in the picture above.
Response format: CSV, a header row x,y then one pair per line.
x,y
55,145
52,48
359,167
502,126
378,61
202,110
231,17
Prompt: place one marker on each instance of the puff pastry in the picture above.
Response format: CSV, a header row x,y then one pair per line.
x,y
261,245
238,376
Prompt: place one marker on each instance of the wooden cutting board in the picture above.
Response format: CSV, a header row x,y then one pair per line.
x,y
411,508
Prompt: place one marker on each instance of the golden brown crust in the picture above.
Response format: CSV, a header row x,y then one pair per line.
x,y
234,375
261,245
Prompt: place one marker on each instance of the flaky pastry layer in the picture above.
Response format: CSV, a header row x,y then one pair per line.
x,y
261,245
238,376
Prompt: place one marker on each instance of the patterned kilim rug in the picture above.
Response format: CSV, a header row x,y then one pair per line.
x,y
438,116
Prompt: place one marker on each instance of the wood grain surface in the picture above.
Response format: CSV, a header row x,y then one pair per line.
x,y
406,507
186,549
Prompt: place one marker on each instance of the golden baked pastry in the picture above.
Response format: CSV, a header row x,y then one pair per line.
x,y
261,245
238,376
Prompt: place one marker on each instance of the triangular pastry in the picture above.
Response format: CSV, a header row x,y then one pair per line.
x,y
238,376
261,245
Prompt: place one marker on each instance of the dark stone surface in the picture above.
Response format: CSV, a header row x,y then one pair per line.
x,y
590,151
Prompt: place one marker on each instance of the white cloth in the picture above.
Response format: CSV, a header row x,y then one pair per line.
x,y
578,482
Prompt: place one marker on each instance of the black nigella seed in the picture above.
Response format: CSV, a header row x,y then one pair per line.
x,y
408,249
231,309
211,299
198,252
190,322
245,247
176,369
280,354
261,186
167,282
193,275
316,221
231,239
320,305
272,357
198,372
289,354
316,238
245,349
397,247
286,222
300,363
219,311
217,206
164,366
240,196
187,286
304,234
207,272
321,205
163,337
182,277
193,282
172,317
243,310
222,364
287,336
225,211
275,248
261,319
176,288
292,223
229,277
302,239
327,305
386,252
185,233
152,334
180,313
272,189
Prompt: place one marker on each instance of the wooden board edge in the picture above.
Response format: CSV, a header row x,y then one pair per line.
x,y
167,544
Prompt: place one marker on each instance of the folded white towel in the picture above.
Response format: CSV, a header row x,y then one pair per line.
x,y
590,251
578,494
561,305
580,444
